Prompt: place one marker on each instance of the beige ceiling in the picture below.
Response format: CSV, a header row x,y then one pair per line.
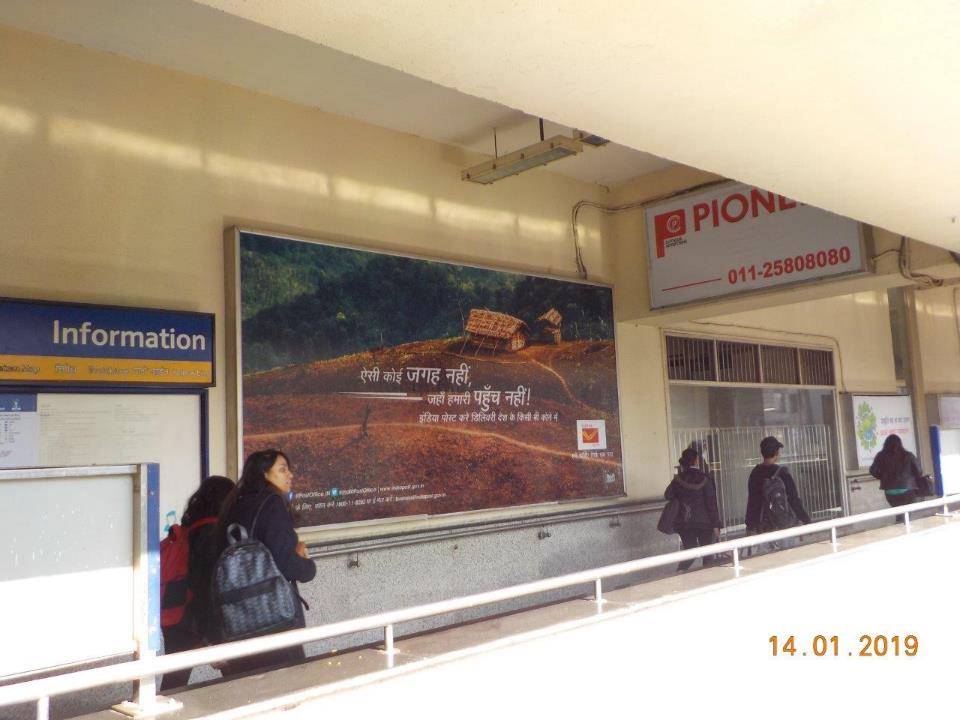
x,y
851,105
191,37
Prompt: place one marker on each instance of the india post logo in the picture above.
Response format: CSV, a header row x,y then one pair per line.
x,y
668,225
591,435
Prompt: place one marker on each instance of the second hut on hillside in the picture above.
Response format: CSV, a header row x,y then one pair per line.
x,y
493,330
550,323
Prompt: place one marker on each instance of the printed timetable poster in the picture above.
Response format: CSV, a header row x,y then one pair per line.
x,y
19,431
402,387
735,238
45,342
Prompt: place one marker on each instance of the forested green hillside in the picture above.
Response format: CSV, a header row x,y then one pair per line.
x,y
304,301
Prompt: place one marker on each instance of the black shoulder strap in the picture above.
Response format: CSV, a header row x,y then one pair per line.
x,y
256,517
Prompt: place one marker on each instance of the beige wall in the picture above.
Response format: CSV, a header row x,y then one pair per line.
x,y
119,179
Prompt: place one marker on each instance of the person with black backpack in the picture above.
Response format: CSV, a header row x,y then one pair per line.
x,y
698,518
772,499
183,582
253,588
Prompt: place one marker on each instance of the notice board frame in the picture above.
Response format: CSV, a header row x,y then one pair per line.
x,y
202,394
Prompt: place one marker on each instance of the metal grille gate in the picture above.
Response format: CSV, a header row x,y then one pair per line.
x,y
730,454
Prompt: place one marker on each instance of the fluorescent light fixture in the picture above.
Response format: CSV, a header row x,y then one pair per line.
x,y
589,138
546,151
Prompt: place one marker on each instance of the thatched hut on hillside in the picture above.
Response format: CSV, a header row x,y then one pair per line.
x,y
493,330
549,324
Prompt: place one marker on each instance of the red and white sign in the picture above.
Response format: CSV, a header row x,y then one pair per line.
x,y
591,435
737,238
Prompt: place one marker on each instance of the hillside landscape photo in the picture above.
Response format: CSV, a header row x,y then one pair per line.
x,y
404,387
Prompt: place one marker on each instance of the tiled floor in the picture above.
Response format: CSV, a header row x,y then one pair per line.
x,y
237,698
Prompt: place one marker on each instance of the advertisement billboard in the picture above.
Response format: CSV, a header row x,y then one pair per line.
x,y
735,238
877,416
402,387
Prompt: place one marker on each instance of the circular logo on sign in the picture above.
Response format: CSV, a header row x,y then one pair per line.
x,y
674,224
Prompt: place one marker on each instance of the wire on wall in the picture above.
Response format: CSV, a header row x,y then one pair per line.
x,y
613,209
903,265
919,278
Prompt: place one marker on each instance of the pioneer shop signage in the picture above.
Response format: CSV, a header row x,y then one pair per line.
x,y
736,238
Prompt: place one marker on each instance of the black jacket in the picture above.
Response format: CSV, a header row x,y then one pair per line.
x,y
758,476
199,571
695,489
896,473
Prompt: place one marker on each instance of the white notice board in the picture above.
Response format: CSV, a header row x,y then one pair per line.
x,y
75,429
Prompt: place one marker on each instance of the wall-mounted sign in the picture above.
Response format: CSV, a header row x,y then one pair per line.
x,y
735,238
877,416
950,411
400,386
42,343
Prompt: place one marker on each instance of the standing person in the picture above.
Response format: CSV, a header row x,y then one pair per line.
x,y
899,473
263,494
772,499
185,592
699,520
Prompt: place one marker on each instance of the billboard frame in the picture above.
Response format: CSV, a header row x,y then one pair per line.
x,y
390,525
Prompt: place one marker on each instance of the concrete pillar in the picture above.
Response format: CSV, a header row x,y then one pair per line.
x,y
915,380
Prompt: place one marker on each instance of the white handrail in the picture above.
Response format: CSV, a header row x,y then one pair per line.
x,y
42,689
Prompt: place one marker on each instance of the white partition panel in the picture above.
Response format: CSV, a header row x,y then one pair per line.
x,y
68,558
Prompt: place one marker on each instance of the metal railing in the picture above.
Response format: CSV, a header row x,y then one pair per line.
x,y
145,670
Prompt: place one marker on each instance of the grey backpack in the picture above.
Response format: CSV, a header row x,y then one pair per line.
x,y
248,594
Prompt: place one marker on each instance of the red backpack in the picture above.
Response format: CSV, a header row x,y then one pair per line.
x,y
175,594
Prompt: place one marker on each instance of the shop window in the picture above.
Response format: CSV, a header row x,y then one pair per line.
x,y
695,359
779,365
737,362
727,424
690,359
816,367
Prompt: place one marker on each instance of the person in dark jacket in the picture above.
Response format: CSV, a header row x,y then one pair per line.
x,y
200,522
756,523
265,488
899,473
699,520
